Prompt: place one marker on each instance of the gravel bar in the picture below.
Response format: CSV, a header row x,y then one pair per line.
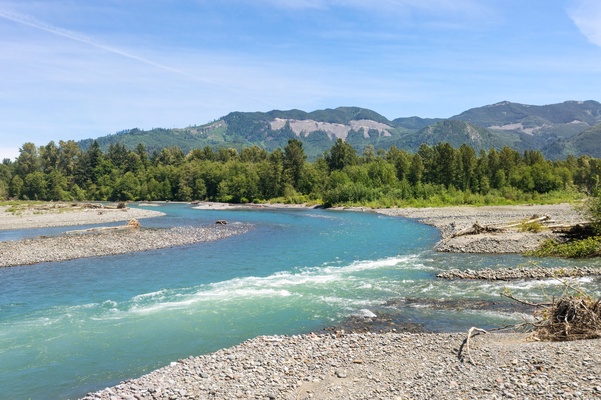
x,y
508,274
127,240
69,216
450,220
377,366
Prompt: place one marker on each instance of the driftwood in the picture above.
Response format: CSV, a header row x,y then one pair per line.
x,y
132,224
467,342
475,230
572,316
533,219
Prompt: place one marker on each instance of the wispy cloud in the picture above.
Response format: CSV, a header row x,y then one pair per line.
x,y
34,23
193,76
586,14
439,5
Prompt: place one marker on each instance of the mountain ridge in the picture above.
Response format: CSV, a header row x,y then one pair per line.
x,y
557,130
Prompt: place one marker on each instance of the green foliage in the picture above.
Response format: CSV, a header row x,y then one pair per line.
x,y
588,247
533,227
434,176
594,212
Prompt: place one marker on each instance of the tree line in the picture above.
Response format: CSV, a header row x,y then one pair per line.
x,y
434,175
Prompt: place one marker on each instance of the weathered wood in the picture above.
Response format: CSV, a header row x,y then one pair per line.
x,y
132,224
530,221
476,229
467,342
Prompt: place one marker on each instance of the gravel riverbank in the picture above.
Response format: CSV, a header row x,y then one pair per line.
x,y
450,220
510,274
94,243
377,366
128,240
68,215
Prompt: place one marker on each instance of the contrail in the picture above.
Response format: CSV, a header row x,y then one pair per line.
x,y
29,21
32,22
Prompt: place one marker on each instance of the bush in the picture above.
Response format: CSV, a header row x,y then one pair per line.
x,y
589,247
594,212
532,227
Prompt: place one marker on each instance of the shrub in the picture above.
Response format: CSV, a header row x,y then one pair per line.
x,y
589,247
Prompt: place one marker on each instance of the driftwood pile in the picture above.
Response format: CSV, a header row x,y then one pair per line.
x,y
575,315
572,317
534,223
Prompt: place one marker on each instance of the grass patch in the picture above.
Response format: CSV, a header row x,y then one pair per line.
x,y
532,227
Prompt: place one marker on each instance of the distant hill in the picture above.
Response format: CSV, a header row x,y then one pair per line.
x,y
586,142
455,133
557,130
537,127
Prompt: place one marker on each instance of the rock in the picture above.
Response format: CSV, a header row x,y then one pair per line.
x,y
341,373
365,313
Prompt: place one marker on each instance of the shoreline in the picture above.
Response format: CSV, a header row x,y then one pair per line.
x,y
448,220
129,240
62,214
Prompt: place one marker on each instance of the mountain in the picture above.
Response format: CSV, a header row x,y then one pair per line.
x,y
586,142
557,130
536,126
455,133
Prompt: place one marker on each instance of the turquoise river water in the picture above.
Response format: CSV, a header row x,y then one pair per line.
x,y
69,328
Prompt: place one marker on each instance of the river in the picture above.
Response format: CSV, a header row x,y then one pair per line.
x,y
68,328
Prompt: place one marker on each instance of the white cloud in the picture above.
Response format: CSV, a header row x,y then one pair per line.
x,y
586,14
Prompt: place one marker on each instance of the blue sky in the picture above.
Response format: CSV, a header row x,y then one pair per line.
x,y
73,69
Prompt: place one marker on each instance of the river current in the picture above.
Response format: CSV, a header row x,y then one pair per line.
x,y
68,328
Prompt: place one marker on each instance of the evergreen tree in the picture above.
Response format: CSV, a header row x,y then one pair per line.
x,y
28,160
294,162
341,154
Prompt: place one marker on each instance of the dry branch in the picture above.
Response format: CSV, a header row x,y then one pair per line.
x,y
467,342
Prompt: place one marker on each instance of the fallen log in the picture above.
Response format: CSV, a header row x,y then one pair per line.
x,y
475,230
132,224
535,218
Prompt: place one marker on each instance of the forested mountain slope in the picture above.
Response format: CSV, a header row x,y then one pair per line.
x,y
558,130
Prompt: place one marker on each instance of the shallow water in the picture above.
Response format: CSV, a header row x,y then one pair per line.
x,y
72,327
